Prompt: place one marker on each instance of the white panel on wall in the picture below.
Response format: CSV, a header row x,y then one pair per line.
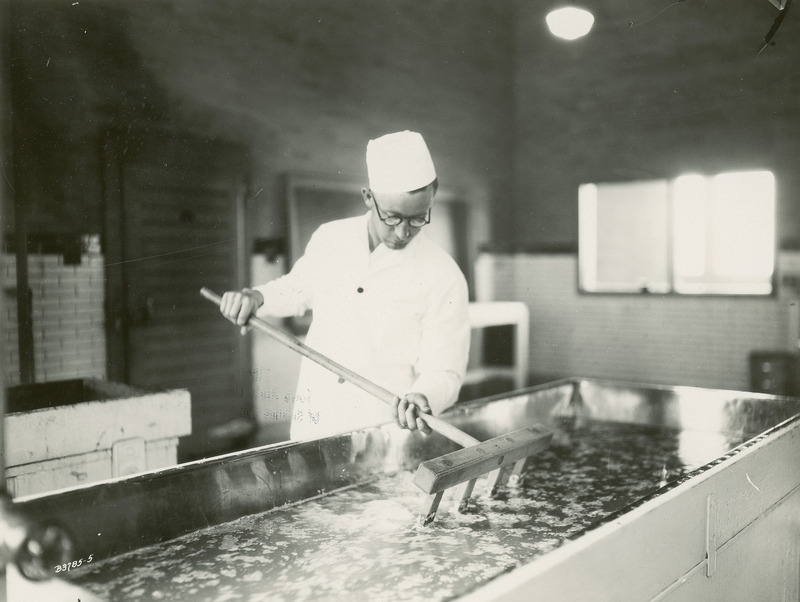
x,y
671,340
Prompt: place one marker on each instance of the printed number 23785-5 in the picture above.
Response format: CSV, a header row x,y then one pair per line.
x,y
74,564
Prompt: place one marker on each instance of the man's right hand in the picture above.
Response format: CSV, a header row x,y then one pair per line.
x,y
238,306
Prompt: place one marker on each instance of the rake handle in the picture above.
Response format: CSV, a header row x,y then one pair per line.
x,y
436,424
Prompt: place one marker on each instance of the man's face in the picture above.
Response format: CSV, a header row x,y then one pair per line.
x,y
406,205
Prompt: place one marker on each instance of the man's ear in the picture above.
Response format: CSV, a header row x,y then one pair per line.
x,y
366,194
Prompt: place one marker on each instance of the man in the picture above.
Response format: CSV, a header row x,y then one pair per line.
x,y
387,302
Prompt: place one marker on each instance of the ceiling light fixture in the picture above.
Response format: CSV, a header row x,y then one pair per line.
x,y
570,22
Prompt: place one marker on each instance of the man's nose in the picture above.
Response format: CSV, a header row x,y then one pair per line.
x,y
402,230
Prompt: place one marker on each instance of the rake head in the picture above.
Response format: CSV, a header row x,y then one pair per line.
x,y
500,457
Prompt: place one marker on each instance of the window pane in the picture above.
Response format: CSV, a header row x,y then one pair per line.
x,y
732,237
692,235
629,234
689,215
587,237
744,224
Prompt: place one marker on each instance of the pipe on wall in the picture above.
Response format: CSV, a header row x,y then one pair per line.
x,y
5,191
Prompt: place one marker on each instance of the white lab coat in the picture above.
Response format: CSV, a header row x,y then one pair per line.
x,y
397,317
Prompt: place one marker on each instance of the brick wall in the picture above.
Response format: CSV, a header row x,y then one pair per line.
x,y
68,318
302,84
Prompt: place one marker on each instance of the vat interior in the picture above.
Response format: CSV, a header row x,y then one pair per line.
x,y
614,446
715,412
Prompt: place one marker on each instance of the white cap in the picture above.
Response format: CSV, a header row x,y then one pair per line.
x,y
399,162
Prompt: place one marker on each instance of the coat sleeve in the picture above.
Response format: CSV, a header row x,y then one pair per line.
x,y
292,294
444,350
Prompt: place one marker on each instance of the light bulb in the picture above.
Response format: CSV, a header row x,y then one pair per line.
x,y
570,22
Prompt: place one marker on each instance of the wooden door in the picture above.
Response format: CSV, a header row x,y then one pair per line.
x,y
174,224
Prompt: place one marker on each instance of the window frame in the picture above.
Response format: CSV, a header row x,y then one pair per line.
x,y
674,285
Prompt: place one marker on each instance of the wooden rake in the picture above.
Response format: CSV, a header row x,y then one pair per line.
x,y
502,457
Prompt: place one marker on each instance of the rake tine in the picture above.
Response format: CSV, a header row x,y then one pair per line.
x,y
516,474
430,508
463,493
496,480
506,475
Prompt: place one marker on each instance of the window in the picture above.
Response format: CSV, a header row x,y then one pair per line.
x,y
694,234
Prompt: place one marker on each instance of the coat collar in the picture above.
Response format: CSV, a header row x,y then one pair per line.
x,y
382,256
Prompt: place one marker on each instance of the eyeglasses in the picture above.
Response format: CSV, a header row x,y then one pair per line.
x,y
396,220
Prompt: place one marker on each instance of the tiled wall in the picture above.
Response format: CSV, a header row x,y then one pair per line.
x,y
699,341
68,308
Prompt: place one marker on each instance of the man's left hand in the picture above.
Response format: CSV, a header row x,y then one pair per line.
x,y
408,410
